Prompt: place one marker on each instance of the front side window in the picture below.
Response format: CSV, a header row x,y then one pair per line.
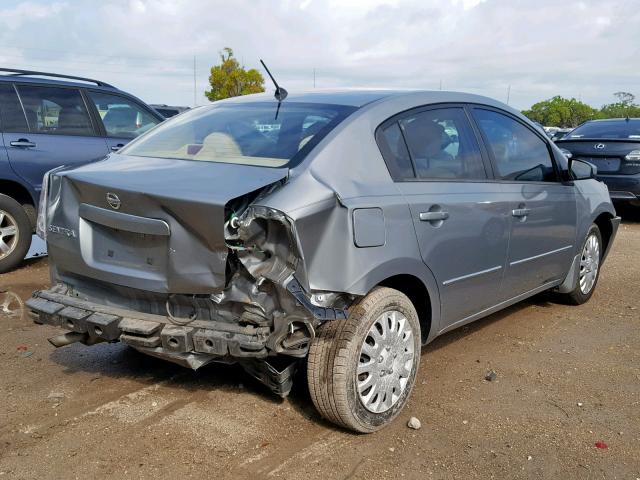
x,y
122,118
12,117
54,110
263,134
519,153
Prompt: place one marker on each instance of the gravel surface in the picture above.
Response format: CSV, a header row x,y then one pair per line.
x,y
564,403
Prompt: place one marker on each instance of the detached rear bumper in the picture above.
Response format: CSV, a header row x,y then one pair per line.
x,y
192,346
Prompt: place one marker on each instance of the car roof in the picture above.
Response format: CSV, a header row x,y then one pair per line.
x,y
361,97
43,80
613,120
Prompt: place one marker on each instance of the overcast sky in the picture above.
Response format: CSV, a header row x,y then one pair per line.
x,y
586,49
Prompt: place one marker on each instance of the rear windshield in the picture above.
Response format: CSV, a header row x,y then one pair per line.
x,y
619,129
247,133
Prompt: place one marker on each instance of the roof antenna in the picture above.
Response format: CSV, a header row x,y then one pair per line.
x,y
281,93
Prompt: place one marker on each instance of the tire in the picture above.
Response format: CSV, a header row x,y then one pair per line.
x,y
15,233
337,364
580,294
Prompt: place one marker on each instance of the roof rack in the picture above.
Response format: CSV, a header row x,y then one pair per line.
x,y
14,72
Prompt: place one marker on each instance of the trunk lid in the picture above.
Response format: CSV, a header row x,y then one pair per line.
x,y
606,154
149,223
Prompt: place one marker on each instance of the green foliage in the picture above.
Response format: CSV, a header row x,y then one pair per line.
x,y
561,112
619,110
564,112
229,79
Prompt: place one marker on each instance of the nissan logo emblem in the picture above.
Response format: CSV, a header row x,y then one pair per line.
x,y
113,201
599,146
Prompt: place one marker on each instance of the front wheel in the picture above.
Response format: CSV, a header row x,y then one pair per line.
x,y
589,269
361,370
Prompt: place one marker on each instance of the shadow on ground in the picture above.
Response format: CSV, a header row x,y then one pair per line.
x,y
119,361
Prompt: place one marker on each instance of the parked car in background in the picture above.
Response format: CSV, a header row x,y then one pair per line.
x,y
168,111
349,228
556,133
613,146
48,120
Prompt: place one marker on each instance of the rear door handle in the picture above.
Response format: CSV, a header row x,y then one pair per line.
x,y
433,216
23,143
520,212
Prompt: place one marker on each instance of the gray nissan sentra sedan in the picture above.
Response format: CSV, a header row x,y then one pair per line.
x,y
346,228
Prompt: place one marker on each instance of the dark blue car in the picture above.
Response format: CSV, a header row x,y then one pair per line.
x,y
613,146
48,120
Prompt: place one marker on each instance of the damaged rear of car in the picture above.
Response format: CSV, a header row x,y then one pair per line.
x,y
344,229
165,246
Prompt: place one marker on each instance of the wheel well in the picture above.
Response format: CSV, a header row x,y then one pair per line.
x,y
21,195
413,288
603,221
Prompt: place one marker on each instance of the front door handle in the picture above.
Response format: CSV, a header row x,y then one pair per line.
x,y
117,147
520,212
23,143
433,216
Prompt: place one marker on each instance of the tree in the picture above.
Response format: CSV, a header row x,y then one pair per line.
x,y
625,98
229,79
624,107
561,112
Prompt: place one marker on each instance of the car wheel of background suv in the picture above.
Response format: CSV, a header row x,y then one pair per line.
x,y
361,370
15,233
590,260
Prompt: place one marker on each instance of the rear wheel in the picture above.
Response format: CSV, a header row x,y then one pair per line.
x,y
589,268
15,233
361,370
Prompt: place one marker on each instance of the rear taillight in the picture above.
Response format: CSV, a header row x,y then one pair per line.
x,y
46,200
633,156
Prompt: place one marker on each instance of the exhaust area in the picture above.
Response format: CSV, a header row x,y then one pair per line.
x,y
68,338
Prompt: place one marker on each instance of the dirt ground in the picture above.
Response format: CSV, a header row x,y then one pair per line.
x,y
568,378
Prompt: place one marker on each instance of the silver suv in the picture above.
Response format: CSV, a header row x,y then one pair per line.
x,y
345,228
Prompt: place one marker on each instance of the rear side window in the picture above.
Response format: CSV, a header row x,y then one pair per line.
x,y
12,117
519,153
442,145
394,150
57,111
122,118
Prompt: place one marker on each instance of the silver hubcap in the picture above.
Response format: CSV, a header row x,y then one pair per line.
x,y
386,362
8,234
589,264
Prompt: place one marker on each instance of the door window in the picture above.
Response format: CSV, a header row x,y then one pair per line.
x,y
432,144
519,153
53,110
11,115
394,150
442,145
122,118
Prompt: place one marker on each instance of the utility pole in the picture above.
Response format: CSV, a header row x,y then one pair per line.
x,y
508,93
440,84
314,78
195,95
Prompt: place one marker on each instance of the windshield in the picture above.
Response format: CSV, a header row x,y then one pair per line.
x,y
247,133
611,129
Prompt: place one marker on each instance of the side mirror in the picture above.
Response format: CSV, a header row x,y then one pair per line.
x,y
581,170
